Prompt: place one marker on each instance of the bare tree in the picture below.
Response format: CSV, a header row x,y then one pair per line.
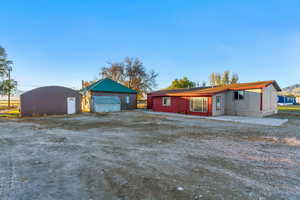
x,y
132,73
114,71
135,73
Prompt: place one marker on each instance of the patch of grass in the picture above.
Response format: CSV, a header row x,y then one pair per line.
x,y
10,113
289,108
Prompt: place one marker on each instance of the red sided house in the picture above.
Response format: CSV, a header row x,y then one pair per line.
x,y
245,99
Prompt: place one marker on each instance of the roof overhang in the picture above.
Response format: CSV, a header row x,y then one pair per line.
x,y
219,89
96,91
276,86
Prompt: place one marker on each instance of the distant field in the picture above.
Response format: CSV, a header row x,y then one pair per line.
x,y
289,108
13,103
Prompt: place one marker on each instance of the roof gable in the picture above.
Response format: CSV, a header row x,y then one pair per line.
x,y
108,85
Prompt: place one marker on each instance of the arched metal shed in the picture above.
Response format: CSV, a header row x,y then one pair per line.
x,y
50,100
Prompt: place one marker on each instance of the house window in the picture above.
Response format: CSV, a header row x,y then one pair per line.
x,y
199,104
239,95
166,101
218,103
127,99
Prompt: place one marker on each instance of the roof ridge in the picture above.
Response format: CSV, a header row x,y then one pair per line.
x,y
107,84
92,85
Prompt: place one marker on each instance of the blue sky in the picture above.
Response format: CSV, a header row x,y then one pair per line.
x,y
57,42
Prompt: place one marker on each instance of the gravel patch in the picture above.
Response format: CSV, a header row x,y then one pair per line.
x,y
137,155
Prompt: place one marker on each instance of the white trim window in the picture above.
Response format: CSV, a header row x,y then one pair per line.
x,y
127,99
166,101
199,104
238,95
218,103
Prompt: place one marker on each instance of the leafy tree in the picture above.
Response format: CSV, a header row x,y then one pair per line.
x,y
132,73
226,78
4,63
234,78
216,79
7,85
182,83
212,79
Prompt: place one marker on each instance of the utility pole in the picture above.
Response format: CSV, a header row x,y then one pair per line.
x,y
9,70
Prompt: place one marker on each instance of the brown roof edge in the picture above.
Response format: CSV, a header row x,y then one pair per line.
x,y
214,90
277,87
179,90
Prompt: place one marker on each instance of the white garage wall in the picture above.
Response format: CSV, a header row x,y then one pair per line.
x,y
269,100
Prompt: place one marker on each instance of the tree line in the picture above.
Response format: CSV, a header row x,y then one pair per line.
x,y
215,79
132,73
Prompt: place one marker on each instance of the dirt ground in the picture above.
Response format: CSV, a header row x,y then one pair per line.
x,y
136,155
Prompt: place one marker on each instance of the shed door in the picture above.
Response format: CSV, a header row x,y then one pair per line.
x,y
106,104
71,105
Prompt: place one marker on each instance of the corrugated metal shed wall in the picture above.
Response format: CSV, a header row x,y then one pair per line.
x,y
51,100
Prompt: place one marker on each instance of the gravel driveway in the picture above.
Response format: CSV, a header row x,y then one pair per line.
x,y
136,155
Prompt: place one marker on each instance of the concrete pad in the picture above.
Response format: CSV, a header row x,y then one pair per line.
x,y
229,118
252,120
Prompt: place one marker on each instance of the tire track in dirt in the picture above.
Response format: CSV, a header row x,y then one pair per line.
x,y
8,177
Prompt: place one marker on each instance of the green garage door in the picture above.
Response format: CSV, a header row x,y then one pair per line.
x,y
106,104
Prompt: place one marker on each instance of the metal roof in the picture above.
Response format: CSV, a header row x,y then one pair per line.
x,y
205,91
108,85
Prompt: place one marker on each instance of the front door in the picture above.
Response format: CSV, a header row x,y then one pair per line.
x,y
71,105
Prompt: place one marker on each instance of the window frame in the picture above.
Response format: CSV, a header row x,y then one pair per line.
x,y
219,104
168,101
127,99
239,96
203,102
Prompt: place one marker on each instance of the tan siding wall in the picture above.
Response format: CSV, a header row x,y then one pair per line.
x,y
216,112
249,106
298,100
269,100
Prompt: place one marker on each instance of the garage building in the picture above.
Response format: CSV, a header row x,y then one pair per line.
x,y
107,95
50,100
